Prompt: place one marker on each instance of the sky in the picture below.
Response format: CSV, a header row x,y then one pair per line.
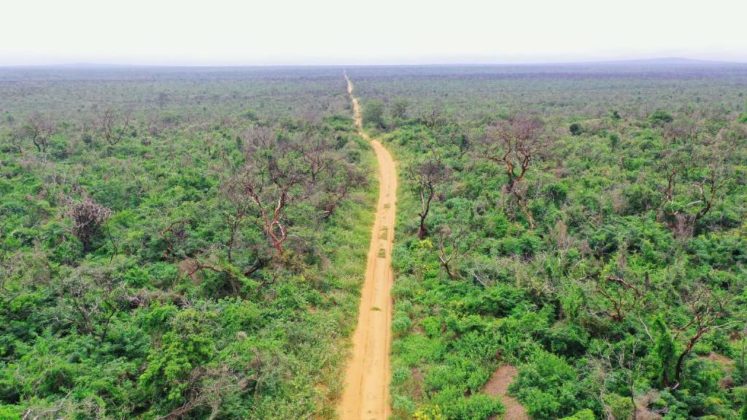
x,y
286,32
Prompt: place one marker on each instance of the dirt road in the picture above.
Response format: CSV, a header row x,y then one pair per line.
x,y
497,386
366,393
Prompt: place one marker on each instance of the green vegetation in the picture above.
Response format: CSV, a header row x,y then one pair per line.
x,y
147,267
190,243
601,252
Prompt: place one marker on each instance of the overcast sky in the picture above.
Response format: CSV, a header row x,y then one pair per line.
x,y
228,32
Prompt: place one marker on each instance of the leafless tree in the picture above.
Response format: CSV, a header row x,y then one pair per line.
x,y
629,363
92,299
452,246
696,176
622,292
88,216
514,144
316,154
207,388
340,179
39,129
426,177
272,178
706,311
114,125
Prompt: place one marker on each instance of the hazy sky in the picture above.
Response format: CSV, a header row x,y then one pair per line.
x,y
370,32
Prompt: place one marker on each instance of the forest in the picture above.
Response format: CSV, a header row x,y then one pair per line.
x,y
178,244
190,243
585,224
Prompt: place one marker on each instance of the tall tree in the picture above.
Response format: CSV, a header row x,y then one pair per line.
x,y
514,144
427,176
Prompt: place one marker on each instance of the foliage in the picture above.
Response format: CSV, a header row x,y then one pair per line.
x,y
373,114
605,263
139,281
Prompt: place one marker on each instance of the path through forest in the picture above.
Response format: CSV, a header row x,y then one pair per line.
x,y
366,393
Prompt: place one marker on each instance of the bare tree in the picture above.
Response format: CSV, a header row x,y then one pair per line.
x,y
316,154
338,182
92,298
706,311
88,216
113,125
695,181
399,109
622,292
453,245
427,176
208,388
628,362
514,144
39,129
272,178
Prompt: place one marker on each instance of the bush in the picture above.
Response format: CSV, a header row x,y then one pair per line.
x,y
582,415
550,388
373,114
660,117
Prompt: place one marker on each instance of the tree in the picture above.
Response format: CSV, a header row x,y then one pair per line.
x,y
665,352
660,117
373,113
273,177
696,177
622,292
113,126
162,99
39,130
706,312
90,298
399,109
339,180
575,129
514,144
427,176
316,152
453,244
88,216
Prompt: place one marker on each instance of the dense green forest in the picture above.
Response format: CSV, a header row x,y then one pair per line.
x,y
586,225
190,242
178,243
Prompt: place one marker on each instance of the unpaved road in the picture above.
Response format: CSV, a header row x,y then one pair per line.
x,y
497,386
366,393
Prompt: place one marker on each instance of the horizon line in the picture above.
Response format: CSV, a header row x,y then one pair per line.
x,y
671,60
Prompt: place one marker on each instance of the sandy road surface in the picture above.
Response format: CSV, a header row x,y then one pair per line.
x,y
366,393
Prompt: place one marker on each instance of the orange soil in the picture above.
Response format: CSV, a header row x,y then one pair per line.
x,y
366,392
497,386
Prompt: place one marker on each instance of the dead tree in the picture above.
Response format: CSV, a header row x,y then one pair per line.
x,y
514,144
272,178
339,180
452,246
91,298
316,154
39,130
427,177
88,216
113,125
695,181
706,311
